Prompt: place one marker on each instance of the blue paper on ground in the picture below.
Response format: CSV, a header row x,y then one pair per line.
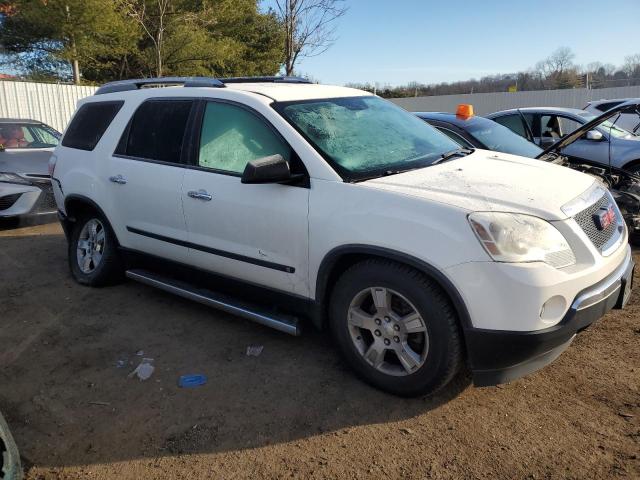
x,y
188,381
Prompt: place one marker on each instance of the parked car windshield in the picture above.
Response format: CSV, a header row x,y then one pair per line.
x,y
26,135
364,137
500,139
609,127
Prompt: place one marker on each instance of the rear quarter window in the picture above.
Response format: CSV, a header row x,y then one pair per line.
x,y
89,124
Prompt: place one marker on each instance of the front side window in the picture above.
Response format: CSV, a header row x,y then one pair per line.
x,y
233,136
157,131
363,137
15,135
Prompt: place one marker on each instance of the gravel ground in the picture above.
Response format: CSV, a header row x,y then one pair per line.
x,y
294,411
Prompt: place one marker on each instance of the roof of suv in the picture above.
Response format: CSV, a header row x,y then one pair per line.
x,y
283,92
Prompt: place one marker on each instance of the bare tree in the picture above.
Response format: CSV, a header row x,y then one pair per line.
x,y
557,62
558,69
153,25
309,26
632,65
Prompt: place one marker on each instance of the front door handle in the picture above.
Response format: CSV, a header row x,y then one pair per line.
x,y
200,195
118,179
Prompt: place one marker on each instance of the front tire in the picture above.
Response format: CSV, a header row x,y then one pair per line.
x,y
93,252
396,328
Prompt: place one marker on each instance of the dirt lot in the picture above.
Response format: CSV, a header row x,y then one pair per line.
x,y
294,411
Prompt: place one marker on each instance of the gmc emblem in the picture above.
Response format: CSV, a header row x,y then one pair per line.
x,y
604,217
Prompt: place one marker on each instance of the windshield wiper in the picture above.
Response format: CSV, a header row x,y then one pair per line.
x,y
460,152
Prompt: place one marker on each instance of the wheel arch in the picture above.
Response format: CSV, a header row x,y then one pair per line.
x,y
632,163
75,204
338,260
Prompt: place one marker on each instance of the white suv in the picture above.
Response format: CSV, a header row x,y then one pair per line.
x,y
277,200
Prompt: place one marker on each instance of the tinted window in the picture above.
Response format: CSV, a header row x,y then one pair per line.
x,y
89,124
455,137
233,136
513,123
156,131
500,139
603,107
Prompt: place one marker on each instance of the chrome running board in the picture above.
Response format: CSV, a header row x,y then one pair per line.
x,y
284,323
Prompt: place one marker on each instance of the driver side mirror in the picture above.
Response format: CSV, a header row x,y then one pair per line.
x,y
594,135
271,169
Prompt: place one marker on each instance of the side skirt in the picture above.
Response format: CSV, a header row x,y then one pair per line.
x,y
261,300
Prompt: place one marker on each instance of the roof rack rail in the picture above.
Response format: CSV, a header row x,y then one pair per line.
x,y
275,79
135,84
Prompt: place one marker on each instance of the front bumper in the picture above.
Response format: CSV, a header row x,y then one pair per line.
x,y
499,356
22,200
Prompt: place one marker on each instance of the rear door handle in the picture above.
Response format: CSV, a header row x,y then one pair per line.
x,y
118,179
200,195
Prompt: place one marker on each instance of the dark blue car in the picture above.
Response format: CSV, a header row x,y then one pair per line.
x,y
479,132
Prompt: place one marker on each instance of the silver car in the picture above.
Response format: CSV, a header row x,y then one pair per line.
x,y
25,184
606,144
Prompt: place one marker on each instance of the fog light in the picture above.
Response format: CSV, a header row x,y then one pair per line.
x,y
553,309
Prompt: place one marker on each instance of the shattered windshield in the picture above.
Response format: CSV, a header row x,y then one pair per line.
x,y
365,136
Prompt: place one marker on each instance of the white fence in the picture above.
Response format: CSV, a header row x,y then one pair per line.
x,y
484,103
52,104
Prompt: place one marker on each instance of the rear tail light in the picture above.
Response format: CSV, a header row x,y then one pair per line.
x,y
52,165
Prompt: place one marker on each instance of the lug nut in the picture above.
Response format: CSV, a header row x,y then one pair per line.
x,y
387,319
378,322
396,339
396,327
387,341
377,332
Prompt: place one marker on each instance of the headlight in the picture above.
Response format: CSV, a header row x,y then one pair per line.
x,y
513,237
13,178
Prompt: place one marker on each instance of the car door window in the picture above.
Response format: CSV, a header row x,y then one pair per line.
x,y
157,131
455,137
513,123
233,136
568,125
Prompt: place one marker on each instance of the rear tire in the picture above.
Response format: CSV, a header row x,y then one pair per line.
x,y
406,340
93,254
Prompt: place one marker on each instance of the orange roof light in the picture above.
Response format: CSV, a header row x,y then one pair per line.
x,y
464,110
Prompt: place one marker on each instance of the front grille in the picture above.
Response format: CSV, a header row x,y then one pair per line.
x,y
7,201
599,238
46,202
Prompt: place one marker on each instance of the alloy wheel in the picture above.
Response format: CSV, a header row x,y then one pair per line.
x,y
388,331
90,247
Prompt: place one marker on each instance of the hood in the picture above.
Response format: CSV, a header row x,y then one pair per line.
x,y
26,161
631,106
490,181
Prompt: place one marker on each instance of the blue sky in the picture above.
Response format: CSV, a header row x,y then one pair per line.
x,y
429,41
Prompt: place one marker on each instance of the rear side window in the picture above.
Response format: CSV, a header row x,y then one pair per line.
x,y
89,124
156,131
513,123
455,137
